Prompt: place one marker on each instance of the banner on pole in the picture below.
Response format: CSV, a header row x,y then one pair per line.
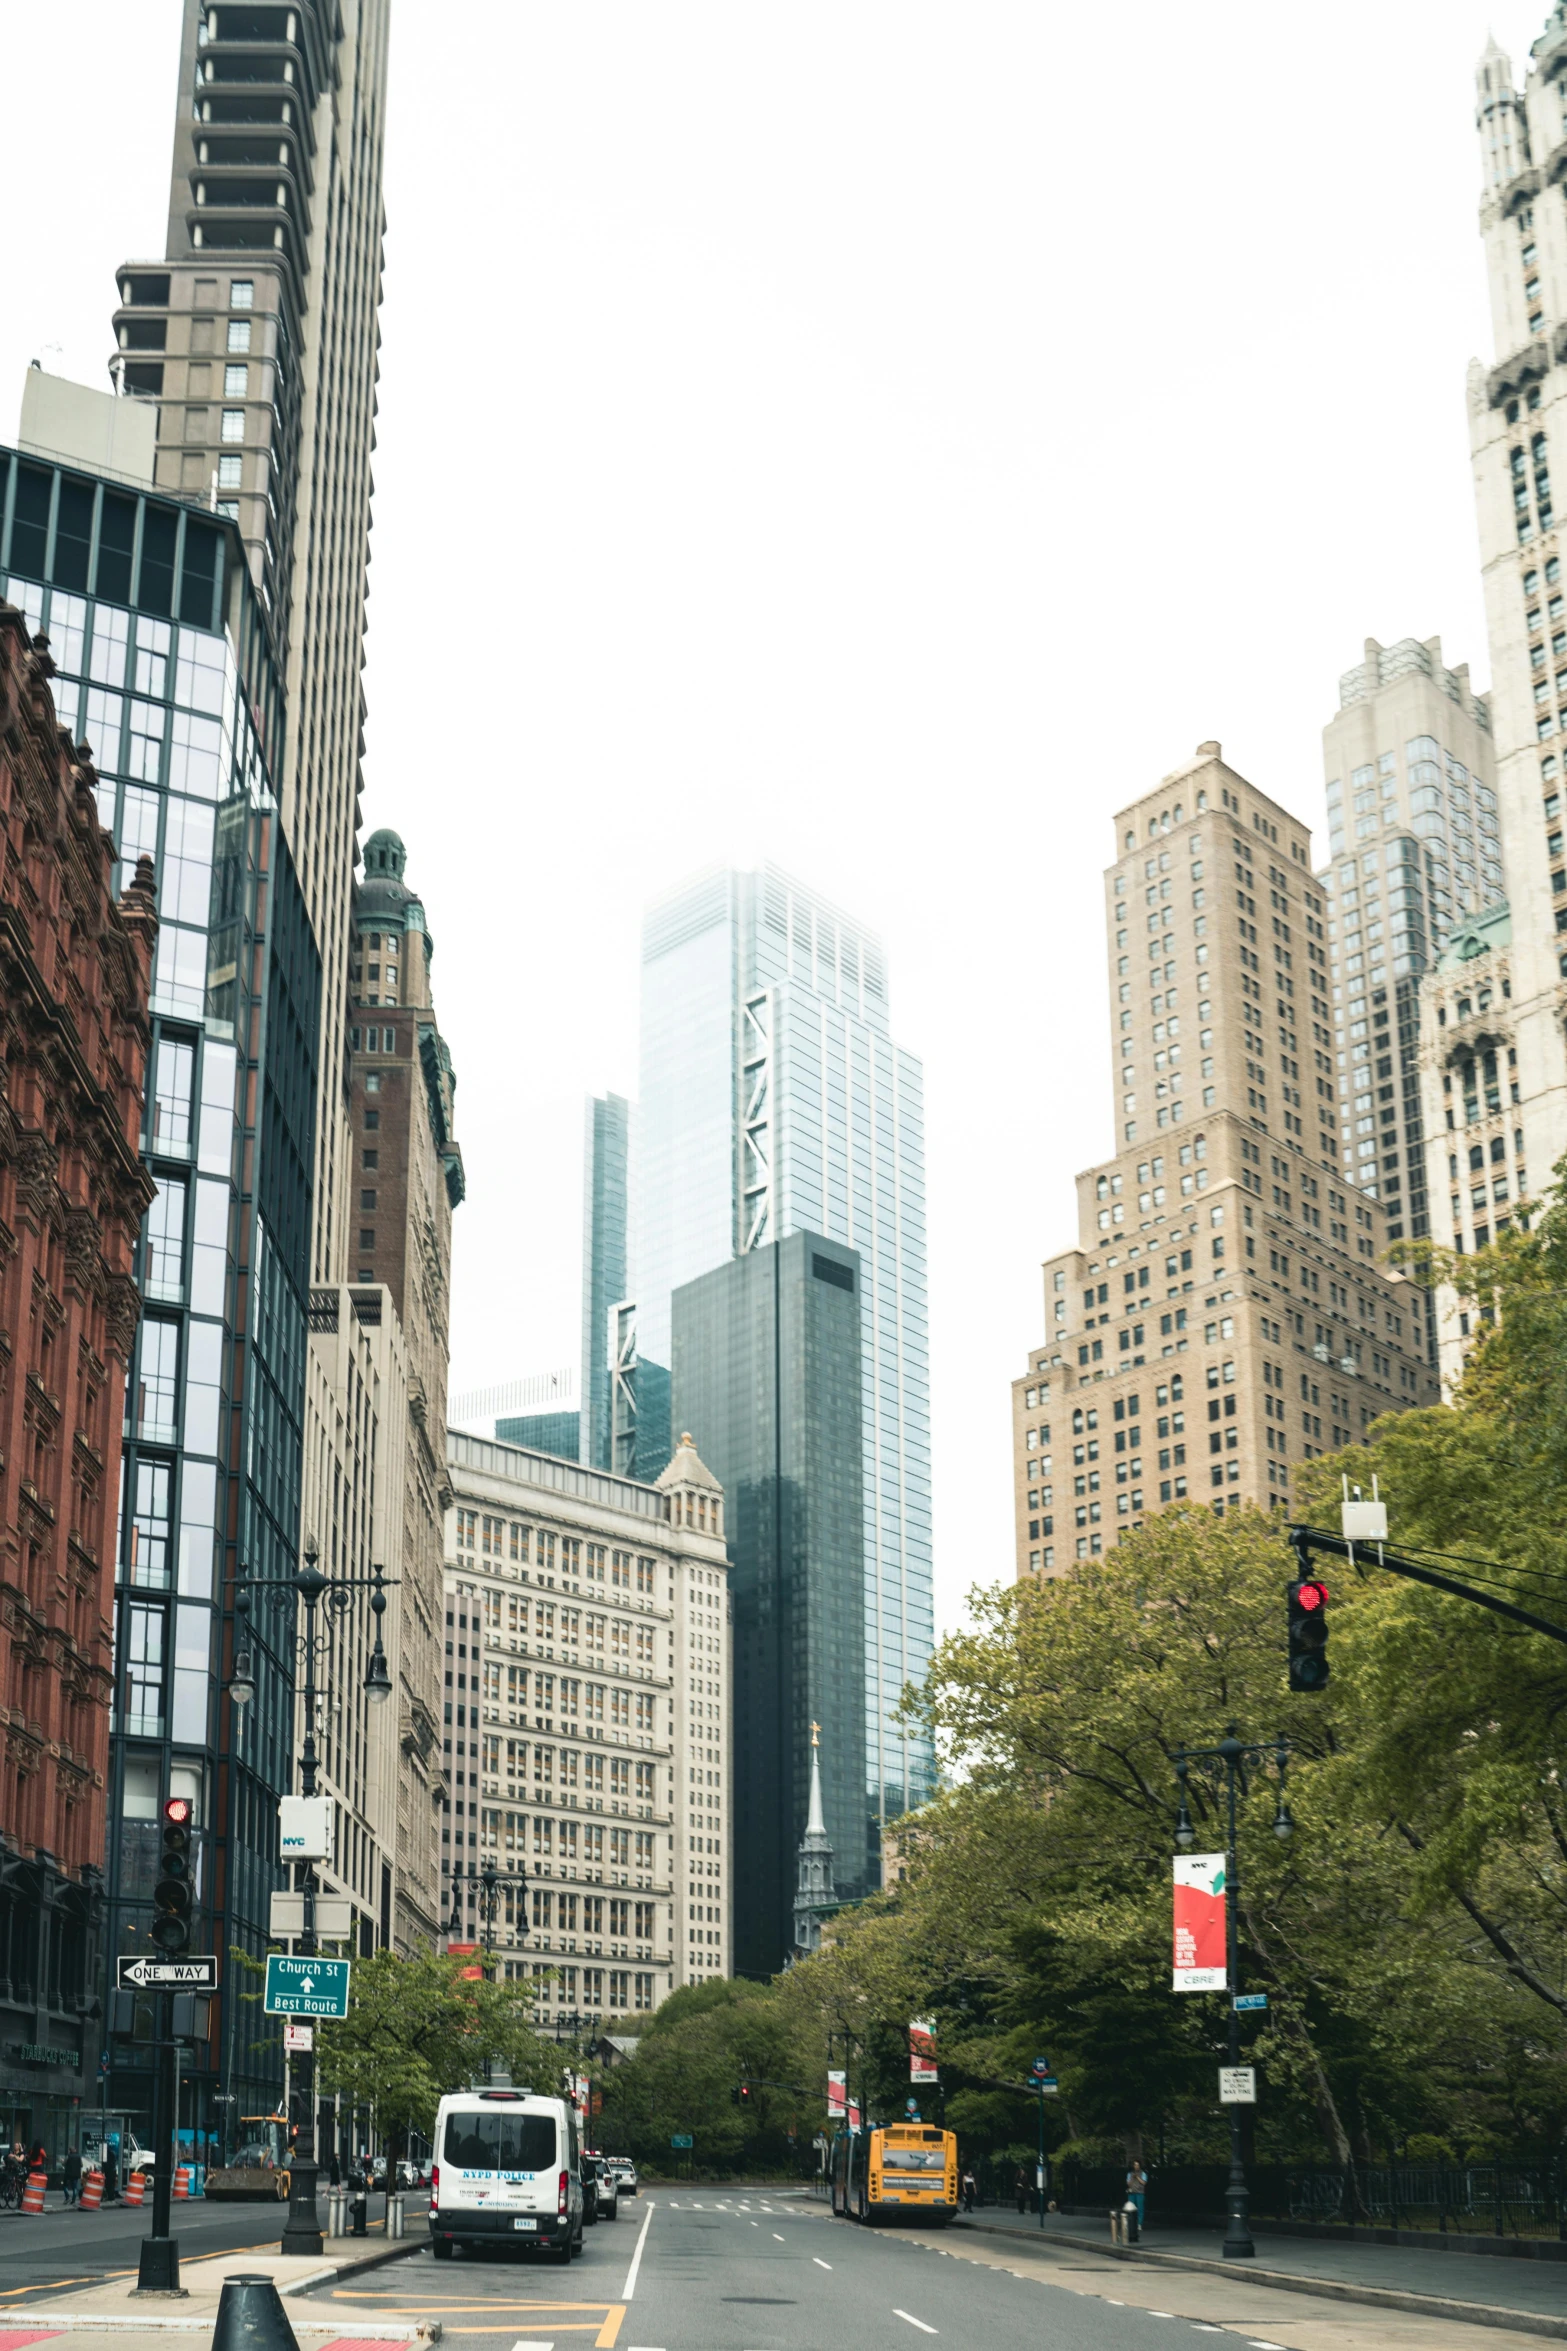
x,y
922,2050
1199,1923
839,2106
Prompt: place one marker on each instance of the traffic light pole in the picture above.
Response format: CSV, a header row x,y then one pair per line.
x,y
158,2269
1308,1539
302,2234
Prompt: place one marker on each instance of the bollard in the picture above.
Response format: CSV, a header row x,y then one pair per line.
x,y
394,2216
1117,2226
92,2190
334,2212
135,2188
361,2213
251,2317
1131,2227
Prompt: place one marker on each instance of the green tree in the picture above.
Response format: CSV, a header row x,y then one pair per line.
x,y
418,2028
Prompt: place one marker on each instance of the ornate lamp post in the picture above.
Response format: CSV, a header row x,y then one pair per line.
x,y
308,1588
1230,1760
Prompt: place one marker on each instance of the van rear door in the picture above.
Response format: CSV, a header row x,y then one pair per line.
x,y
499,2159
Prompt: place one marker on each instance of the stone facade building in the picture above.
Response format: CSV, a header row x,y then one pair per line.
x,y
1226,1311
587,1723
75,974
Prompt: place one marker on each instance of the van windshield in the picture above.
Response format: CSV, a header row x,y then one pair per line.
x,y
500,2141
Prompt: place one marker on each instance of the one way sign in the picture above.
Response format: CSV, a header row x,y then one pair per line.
x,y
167,1975
306,1987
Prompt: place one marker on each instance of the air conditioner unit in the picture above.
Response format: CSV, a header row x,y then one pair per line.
x,y
1322,1354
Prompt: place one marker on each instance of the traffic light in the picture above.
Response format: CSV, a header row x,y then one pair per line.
x,y
1308,1633
742,2096
171,1894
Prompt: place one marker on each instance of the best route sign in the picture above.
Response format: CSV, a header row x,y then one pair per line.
x,y
167,1975
306,1987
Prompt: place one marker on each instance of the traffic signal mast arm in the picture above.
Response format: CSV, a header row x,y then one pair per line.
x,y
1308,1539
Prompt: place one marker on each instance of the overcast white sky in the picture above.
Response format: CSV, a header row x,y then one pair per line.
x,y
880,437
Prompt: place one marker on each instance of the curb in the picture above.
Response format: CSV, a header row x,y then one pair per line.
x,y
397,2250
1480,2314
81,2322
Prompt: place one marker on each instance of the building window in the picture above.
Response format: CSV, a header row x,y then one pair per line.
x,y
144,1674
233,424
239,334
229,472
242,294
236,383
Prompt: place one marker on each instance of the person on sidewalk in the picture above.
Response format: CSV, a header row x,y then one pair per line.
x,y
1137,2188
73,2176
970,2188
1021,2187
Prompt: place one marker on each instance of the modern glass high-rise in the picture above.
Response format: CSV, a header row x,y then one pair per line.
x,y
165,670
774,1100
605,1283
767,1353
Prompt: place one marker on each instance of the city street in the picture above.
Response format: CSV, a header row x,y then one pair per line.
x,y
760,2270
54,2250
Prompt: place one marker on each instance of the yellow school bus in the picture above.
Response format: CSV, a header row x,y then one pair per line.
x,y
905,2169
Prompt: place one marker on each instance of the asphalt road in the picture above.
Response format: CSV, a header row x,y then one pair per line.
x,y
45,2253
757,2271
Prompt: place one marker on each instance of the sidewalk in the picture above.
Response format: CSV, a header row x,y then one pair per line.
x,y
1398,2277
89,2319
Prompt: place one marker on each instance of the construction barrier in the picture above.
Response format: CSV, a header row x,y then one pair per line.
x,y
33,2193
135,2187
182,2180
92,2190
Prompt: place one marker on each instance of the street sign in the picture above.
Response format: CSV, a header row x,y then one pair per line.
x,y
681,2139
334,1916
1237,2085
167,1975
1047,2085
1041,2065
1244,2000
306,1987
297,2035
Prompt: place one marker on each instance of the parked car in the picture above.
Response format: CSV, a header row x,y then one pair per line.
x,y
601,2187
411,2173
625,2172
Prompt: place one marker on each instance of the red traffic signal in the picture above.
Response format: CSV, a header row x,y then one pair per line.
x,y
177,1811
1308,1633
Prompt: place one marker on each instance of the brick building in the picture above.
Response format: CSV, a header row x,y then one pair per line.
x,y
75,974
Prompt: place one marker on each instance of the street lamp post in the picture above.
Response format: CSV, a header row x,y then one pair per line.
x,y
1231,1757
308,1587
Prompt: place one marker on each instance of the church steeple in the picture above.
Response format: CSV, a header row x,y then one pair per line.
x,y
815,1897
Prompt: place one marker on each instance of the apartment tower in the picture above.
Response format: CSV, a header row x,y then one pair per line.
x,y
1225,1311
1416,847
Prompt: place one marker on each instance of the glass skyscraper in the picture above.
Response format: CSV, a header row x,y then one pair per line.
x,y
605,1231
773,1101
165,670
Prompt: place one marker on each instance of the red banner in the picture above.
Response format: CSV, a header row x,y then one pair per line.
x,y
922,2050
1199,1923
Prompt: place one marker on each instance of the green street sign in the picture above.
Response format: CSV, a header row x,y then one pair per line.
x,y
306,1987
681,2139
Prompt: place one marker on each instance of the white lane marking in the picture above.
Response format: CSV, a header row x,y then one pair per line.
x,y
820,2263
630,2286
1257,2344
533,2347
777,2239
914,2322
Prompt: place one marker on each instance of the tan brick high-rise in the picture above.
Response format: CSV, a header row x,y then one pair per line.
x,y
1225,1311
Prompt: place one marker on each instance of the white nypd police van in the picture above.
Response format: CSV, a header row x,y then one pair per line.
x,y
507,2167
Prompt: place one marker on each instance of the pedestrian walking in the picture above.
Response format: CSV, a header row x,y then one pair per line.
x,y
970,2188
1137,2188
1022,2188
334,2171
73,2176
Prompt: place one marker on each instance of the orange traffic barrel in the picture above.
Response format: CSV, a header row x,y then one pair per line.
x,y
92,2190
33,2193
135,2187
182,2180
